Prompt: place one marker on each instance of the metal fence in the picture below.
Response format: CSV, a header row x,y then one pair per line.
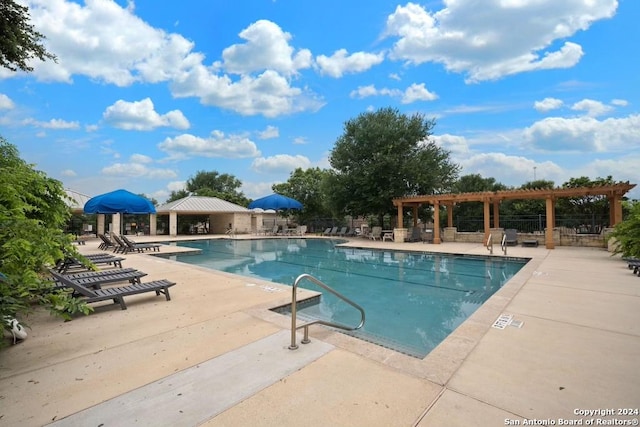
x,y
531,223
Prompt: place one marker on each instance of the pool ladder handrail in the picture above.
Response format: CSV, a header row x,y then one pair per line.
x,y
490,244
294,328
503,244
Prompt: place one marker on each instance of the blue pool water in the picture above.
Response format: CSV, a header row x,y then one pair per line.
x,y
412,300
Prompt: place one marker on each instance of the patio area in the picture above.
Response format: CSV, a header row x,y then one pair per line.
x,y
215,355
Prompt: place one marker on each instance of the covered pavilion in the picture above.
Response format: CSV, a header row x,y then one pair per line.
x,y
614,194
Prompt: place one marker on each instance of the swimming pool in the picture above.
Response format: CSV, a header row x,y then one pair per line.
x,y
413,300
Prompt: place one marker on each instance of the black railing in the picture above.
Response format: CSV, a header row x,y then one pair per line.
x,y
531,223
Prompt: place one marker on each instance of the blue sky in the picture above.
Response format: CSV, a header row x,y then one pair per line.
x,y
147,93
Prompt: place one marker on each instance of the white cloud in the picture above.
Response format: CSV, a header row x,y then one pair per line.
x,y
140,158
478,38
55,124
547,104
510,170
619,102
141,115
255,190
269,133
415,92
217,145
138,170
267,48
177,185
68,172
124,50
280,163
269,93
455,144
585,134
5,102
300,140
341,62
591,107
106,42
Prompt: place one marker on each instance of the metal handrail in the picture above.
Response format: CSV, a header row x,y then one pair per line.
x,y
490,244
503,244
294,328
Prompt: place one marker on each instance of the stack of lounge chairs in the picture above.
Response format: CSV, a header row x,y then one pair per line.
x,y
90,286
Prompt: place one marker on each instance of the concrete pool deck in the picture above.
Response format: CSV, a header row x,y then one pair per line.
x,y
216,356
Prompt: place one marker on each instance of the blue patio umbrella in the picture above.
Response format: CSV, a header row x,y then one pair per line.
x,y
276,202
119,201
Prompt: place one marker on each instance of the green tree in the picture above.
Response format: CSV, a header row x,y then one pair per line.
x,y
473,183
589,210
33,214
177,195
627,232
305,185
528,207
213,184
383,155
19,42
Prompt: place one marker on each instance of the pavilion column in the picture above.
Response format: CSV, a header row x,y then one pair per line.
x,y
436,223
400,223
615,210
173,223
415,215
153,224
100,224
115,223
496,214
487,221
551,220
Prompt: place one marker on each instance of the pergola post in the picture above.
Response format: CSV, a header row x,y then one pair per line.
x,y
487,221
615,210
496,213
436,223
400,223
415,215
449,207
551,220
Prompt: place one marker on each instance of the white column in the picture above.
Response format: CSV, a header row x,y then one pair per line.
x,y
153,222
173,224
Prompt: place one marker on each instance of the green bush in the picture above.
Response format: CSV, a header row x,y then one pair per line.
x,y
33,214
627,233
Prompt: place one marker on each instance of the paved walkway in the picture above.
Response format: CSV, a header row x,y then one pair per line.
x,y
574,357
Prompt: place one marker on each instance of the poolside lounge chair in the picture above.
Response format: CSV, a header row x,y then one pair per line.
x,y
116,294
96,279
342,232
327,232
140,247
332,232
106,242
511,237
415,236
70,261
376,233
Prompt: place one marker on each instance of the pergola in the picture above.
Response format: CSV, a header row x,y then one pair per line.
x,y
614,194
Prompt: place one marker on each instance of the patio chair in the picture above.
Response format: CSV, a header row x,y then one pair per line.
x,y
415,236
116,294
342,232
95,279
376,233
140,247
511,237
327,232
106,242
120,246
71,262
